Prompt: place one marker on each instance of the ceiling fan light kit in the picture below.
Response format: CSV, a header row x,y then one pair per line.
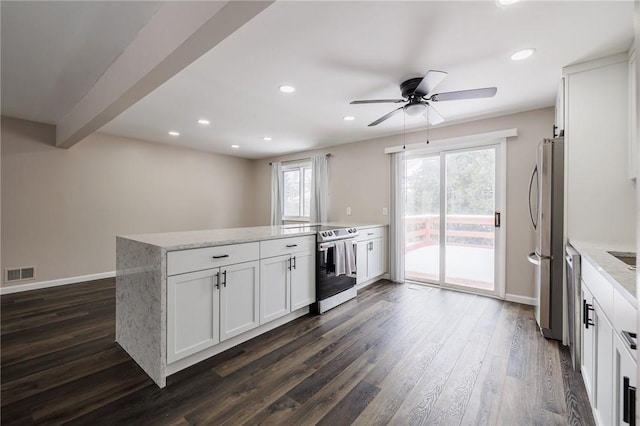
x,y
418,96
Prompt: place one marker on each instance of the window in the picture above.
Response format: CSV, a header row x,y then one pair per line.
x,y
297,191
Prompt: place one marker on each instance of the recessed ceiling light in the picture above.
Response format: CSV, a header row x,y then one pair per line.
x,y
174,133
235,146
522,54
267,138
349,118
506,2
204,122
287,89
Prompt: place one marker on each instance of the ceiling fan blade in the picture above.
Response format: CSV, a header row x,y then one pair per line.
x,y
487,92
384,117
429,82
433,116
378,101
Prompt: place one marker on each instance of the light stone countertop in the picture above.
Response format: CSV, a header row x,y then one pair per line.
x,y
614,270
170,241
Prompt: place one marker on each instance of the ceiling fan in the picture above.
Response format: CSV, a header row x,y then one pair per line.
x,y
417,93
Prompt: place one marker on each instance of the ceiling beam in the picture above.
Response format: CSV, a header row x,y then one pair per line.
x,y
178,34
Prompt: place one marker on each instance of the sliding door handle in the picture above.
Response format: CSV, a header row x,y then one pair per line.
x,y
496,219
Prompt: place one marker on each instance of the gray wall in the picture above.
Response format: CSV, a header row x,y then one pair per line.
x,y
359,178
61,209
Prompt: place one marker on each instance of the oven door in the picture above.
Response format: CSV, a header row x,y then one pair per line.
x,y
327,282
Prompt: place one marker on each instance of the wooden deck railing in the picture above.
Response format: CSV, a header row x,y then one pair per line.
x,y
463,230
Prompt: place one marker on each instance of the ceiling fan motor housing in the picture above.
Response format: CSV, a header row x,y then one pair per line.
x,y
409,86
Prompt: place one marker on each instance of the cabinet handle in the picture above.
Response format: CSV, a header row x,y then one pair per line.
x,y
217,279
224,274
369,233
294,262
222,256
629,338
628,402
370,246
289,267
585,314
291,245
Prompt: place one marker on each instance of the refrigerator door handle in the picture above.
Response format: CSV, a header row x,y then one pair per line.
x,y
534,258
533,175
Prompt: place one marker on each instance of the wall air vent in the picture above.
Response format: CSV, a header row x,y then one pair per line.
x,y
20,274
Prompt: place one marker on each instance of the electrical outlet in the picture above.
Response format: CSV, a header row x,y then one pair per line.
x,y
348,211
385,211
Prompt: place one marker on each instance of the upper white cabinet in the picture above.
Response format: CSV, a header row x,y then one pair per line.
x,y
558,129
600,198
371,254
634,137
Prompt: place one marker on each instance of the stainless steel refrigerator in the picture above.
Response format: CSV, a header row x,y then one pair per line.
x,y
546,208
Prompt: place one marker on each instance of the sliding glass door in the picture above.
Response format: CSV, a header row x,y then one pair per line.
x,y
452,218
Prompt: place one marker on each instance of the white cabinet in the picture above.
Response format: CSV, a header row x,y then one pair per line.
x,y
371,254
625,383
210,306
603,403
239,298
192,313
288,280
275,285
608,335
303,280
588,339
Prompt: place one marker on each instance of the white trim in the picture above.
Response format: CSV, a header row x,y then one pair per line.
x,y
524,300
457,142
55,283
598,63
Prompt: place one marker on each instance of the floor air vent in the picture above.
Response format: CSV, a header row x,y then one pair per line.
x,y
20,274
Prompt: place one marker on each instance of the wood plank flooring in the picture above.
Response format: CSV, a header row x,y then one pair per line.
x,y
399,354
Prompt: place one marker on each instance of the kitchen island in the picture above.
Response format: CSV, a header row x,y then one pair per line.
x,y
182,297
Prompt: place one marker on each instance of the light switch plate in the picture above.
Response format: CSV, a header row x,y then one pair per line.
x,y
348,211
385,211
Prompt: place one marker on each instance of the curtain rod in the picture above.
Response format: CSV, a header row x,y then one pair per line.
x,y
301,159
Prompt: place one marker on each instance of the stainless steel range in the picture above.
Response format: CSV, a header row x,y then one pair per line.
x,y
335,266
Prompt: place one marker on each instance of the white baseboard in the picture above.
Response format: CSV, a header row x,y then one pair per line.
x,y
371,281
524,300
54,283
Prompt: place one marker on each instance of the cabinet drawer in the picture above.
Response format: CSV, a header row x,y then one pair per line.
x,y
271,248
624,314
371,233
601,289
179,262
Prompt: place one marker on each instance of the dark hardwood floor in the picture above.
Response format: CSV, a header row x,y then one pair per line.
x,y
399,354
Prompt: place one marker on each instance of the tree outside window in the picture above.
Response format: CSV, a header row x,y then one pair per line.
x,y
297,191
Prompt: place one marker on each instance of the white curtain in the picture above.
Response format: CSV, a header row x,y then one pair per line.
x,y
397,225
276,193
319,190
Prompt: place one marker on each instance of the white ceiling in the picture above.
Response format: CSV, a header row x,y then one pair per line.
x,y
54,51
332,52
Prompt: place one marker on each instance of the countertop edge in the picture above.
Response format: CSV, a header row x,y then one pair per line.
x,y
585,249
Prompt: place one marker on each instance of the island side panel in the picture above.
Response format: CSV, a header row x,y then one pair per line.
x,y
140,305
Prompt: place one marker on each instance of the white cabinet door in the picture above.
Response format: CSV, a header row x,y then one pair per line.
x,y
239,298
192,313
588,342
303,280
361,262
625,382
375,258
604,366
275,288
